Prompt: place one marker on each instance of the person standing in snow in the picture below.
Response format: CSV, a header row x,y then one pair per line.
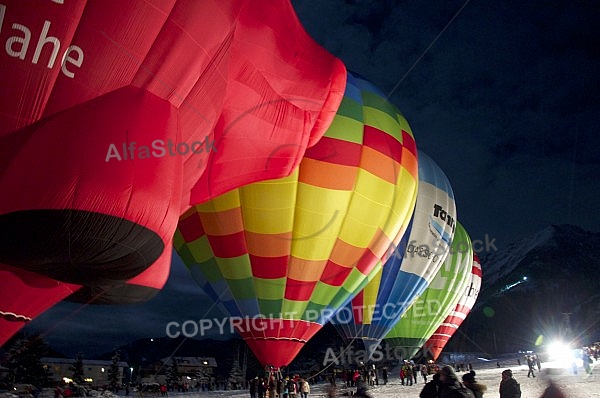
x,y
415,372
530,365
509,387
472,384
304,388
424,373
431,388
450,387
253,384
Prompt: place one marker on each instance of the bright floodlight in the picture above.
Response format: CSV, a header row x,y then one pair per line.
x,y
560,352
524,278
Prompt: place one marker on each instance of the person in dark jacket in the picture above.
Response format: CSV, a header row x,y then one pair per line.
x,y
509,387
450,387
361,390
431,388
472,384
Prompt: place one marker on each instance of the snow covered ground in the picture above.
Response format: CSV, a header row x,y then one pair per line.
x,y
580,385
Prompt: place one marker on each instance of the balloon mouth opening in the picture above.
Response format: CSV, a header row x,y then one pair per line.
x,y
12,317
113,294
77,246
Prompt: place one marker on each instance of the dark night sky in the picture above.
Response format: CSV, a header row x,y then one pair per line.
x,y
503,95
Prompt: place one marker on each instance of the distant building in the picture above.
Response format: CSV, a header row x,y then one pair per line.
x,y
94,371
194,371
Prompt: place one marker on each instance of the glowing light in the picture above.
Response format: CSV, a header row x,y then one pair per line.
x,y
561,355
559,350
510,286
539,341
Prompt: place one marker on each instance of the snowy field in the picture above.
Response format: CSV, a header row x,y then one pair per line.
x,y
580,385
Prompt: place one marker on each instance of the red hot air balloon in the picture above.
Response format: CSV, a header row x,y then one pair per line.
x,y
25,296
115,117
103,107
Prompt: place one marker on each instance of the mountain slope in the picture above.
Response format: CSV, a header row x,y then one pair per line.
x,y
559,297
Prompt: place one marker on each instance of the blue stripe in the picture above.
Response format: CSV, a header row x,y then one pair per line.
x,y
431,173
446,236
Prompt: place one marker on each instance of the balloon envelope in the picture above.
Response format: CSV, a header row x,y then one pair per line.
x,y
281,256
24,296
459,313
429,309
410,267
115,117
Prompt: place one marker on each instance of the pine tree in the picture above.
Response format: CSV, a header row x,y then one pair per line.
x,y
173,374
24,361
77,369
236,376
113,372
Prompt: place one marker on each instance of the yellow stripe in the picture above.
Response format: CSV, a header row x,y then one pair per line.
x,y
268,207
319,216
227,201
370,295
369,210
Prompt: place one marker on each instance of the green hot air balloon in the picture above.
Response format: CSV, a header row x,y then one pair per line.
x,y
429,310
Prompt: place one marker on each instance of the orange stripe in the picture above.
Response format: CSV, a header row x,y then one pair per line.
x,y
379,164
345,254
380,243
327,175
222,223
409,162
269,245
305,270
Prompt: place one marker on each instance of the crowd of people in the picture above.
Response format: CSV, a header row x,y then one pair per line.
x,y
444,383
275,386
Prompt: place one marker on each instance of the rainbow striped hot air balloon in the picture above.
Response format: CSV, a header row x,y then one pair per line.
x,y
455,318
429,310
411,267
281,256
